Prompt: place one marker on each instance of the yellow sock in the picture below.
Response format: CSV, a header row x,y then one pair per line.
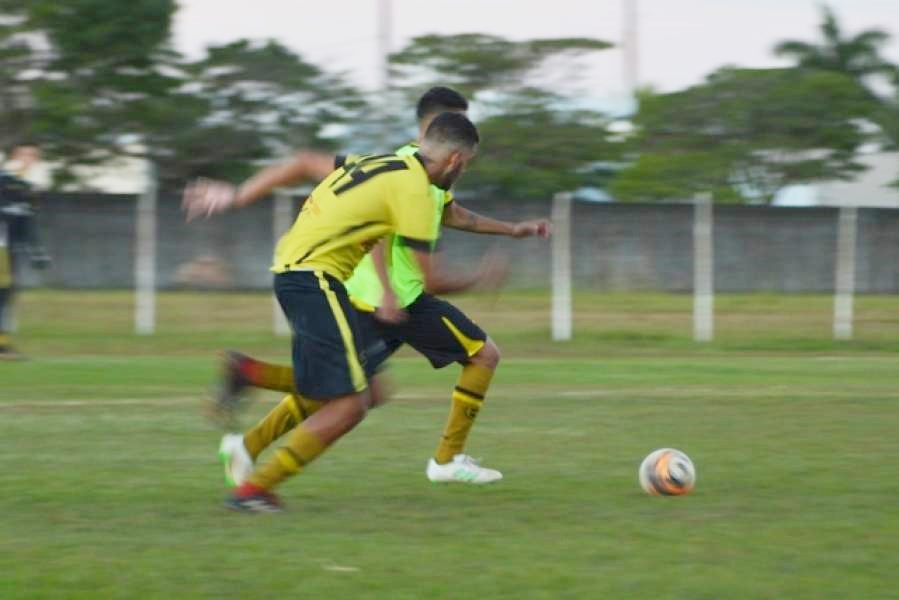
x,y
302,447
289,413
4,340
467,400
267,375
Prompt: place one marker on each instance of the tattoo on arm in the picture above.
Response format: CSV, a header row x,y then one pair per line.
x,y
468,220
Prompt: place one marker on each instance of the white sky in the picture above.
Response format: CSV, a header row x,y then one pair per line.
x,y
680,41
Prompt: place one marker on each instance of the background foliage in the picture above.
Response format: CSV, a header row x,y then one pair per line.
x,y
92,79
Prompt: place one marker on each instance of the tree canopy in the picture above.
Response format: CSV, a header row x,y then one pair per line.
x,y
93,79
745,133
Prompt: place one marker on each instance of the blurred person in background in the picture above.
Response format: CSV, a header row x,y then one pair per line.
x,y
437,329
18,234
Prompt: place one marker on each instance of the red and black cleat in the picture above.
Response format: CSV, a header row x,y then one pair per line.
x,y
253,499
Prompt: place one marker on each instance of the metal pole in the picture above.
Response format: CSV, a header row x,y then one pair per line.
x,y
703,269
631,57
282,214
385,26
145,257
561,267
845,274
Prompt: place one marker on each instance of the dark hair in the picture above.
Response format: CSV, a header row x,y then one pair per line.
x,y
453,128
440,99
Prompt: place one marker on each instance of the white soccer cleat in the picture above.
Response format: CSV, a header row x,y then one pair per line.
x,y
235,458
462,469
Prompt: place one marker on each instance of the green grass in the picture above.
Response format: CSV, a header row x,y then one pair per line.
x,y
111,489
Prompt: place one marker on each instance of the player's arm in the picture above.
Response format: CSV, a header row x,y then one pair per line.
x,y
415,228
490,273
206,197
389,310
459,217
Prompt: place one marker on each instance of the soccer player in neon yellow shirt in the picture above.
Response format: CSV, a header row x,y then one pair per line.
x,y
434,327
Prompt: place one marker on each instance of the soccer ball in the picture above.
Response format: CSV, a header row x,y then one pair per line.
x,y
667,472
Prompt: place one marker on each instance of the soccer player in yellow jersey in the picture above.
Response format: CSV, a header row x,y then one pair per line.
x,y
434,327
359,202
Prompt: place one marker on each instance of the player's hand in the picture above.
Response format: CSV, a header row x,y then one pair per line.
x,y
389,311
207,197
537,227
493,271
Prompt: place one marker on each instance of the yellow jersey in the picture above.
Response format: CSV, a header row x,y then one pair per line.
x,y
365,198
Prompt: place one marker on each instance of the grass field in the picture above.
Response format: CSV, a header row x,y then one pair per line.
x,y
111,488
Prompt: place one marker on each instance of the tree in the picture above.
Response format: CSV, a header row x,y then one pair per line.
x,y
744,134
264,99
857,56
535,141
106,60
18,61
537,147
473,62
110,85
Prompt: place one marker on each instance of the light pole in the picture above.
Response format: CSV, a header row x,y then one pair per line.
x,y
630,42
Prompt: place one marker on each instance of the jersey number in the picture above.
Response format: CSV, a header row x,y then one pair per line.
x,y
361,171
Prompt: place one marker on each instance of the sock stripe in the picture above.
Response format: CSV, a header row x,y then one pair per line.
x,y
295,456
290,459
474,395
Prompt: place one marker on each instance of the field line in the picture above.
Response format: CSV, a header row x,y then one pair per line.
x,y
504,395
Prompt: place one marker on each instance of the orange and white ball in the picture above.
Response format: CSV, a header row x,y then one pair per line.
x,y
667,472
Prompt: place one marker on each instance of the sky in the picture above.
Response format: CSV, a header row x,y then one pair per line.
x,y
679,41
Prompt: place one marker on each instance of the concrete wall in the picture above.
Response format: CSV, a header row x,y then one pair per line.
x,y
616,246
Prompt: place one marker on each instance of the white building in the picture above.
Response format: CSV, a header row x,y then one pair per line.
x,y
871,188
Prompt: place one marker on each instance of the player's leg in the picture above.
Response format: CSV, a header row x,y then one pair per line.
x,y
240,371
327,370
467,400
5,341
445,335
6,297
239,452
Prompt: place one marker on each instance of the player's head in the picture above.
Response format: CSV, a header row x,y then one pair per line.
x,y
448,145
438,100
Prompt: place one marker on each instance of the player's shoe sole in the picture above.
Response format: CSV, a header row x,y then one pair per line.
x,y
251,499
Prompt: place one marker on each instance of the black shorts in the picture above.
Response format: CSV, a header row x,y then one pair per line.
x,y
327,362
435,328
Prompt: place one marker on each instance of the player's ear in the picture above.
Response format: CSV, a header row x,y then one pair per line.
x,y
455,159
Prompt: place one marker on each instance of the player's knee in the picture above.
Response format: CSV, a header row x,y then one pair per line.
x,y
488,356
361,408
